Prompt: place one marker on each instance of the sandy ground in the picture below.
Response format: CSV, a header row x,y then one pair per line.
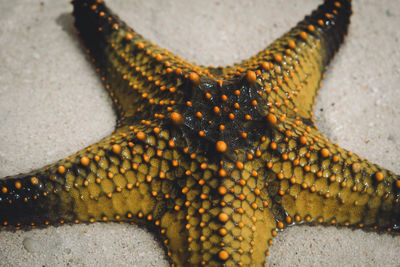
x,y
52,104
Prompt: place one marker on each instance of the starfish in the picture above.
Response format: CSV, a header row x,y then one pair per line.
x,y
215,160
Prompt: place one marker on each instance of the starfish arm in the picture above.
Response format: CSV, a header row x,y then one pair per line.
x,y
248,223
218,236
317,182
124,177
142,78
226,219
291,68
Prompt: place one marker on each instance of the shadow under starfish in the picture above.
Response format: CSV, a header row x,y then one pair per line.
x,y
216,161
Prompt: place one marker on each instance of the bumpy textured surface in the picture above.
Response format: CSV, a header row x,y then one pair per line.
x,y
215,159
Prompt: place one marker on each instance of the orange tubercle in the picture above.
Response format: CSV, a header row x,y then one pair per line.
x,y
221,146
194,78
223,255
176,118
251,76
85,161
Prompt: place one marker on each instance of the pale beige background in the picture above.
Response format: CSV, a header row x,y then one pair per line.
x,y
52,104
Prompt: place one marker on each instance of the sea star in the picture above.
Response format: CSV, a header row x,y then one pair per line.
x,y
232,161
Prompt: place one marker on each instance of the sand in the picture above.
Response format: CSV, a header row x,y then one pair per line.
x,y
52,104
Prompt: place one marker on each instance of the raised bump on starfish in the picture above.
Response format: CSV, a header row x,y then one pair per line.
x,y
242,169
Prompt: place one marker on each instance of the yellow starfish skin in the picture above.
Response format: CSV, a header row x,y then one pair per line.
x,y
216,180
